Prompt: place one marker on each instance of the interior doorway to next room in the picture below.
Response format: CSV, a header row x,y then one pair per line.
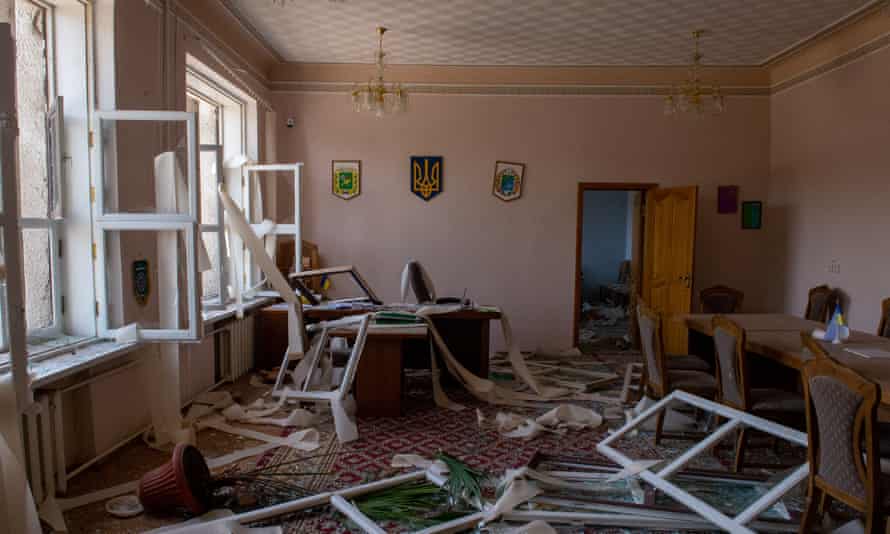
x,y
609,260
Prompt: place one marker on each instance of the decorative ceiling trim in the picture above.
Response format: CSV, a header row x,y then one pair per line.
x,y
536,76
837,63
832,49
826,32
216,25
245,23
510,90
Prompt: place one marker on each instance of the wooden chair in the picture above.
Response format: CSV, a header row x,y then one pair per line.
x,y
841,409
720,299
680,362
734,387
884,325
660,379
821,302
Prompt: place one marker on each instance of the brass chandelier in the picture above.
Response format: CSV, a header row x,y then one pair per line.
x,y
377,96
693,95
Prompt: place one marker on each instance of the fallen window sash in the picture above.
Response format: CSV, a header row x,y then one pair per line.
x,y
735,418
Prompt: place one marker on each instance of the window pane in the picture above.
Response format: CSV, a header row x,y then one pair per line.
x,y
136,295
209,187
210,279
208,123
36,248
133,187
32,94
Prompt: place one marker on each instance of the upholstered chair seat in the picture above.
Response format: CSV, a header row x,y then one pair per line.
x,y
768,400
686,362
695,382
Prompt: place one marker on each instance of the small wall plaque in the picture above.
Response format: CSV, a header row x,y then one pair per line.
x,y
752,215
141,282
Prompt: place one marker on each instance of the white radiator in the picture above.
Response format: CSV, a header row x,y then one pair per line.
x,y
41,454
51,462
240,347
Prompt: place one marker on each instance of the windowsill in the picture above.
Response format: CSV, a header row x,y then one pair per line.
x,y
79,359
212,316
43,348
79,353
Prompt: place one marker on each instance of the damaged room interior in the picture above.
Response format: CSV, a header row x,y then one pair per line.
x,y
354,266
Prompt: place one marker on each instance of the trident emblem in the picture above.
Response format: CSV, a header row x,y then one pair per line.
x,y
426,176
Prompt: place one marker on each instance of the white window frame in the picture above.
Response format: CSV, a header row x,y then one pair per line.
x,y
254,279
55,214
735,419
222,299
187,223
13,319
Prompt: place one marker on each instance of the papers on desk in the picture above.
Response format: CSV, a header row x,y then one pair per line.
x,y
869,352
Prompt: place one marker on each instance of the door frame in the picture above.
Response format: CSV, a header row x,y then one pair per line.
x,y
644,188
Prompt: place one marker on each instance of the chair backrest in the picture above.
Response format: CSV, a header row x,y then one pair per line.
x,y
884,325
821,302
624,272
732,375
841,408
720,299
652,346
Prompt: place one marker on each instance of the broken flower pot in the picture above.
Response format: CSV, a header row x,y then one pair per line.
x,y
183,483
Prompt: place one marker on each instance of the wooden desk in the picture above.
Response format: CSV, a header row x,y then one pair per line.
x,y
777,337
378,382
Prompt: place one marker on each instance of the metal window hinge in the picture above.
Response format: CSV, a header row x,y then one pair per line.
x,y
94,251
90,139
63,304
60,250
92,194
97,308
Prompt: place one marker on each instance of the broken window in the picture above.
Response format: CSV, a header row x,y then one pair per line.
x,y
39,159
223,115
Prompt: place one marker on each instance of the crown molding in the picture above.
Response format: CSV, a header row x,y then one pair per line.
x,y
245,23
227,31
475,76
832,50
510,90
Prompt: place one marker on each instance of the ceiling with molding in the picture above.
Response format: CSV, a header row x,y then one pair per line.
x,y
539,32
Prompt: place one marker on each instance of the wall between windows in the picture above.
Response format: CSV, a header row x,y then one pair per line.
x,y
519,254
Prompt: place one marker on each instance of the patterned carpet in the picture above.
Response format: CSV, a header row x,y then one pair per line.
x,y
425,430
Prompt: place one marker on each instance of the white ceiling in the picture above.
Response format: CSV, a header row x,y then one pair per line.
x,y
539,32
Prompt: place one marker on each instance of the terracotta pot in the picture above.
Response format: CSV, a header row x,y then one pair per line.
x,y
183,483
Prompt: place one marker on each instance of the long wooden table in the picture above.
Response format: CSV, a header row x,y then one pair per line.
x,y
777,337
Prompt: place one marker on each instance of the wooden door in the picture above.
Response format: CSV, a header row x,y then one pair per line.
x,y
668,261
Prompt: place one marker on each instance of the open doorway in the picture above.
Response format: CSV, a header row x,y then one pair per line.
x,y
609,259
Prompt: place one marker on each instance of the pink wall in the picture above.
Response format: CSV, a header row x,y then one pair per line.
x,y
520,255
829,189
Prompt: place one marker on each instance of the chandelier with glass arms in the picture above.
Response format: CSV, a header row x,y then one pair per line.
x,y
378,96
693,95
